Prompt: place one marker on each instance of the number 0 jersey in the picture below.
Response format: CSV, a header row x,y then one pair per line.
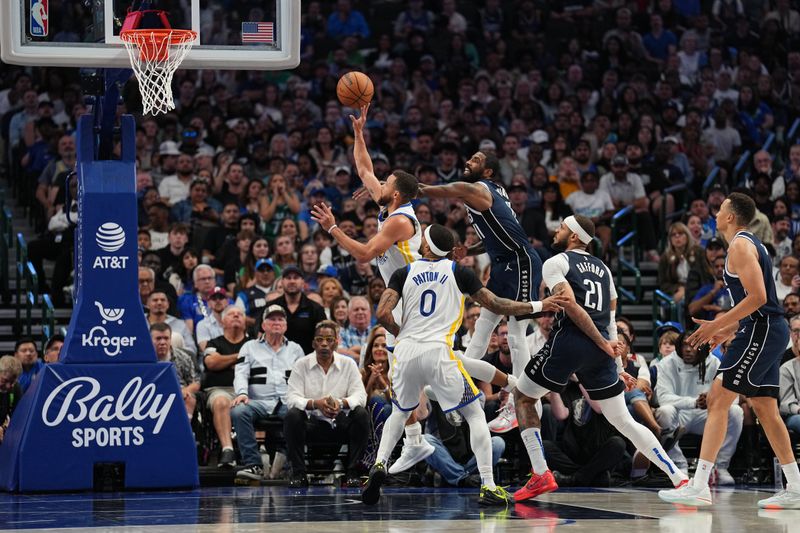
x,y
591,282
432,296
400,253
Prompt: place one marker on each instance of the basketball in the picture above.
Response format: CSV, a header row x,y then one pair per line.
x,y
355,89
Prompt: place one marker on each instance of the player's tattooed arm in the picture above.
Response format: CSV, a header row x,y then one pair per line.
x,y
388,301
504,306
581,318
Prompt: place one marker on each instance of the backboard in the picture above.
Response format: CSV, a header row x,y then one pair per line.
x,y
232,34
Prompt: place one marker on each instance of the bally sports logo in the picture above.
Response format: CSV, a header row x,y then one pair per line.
x,y
78,401
98,336
110,237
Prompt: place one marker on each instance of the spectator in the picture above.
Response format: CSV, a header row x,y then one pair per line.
x,y
303,314
330,290
52,350
175,188
260,385
185,364
219,359
676,261
626,189
666,345
326,402
217,237
781,225
158,217
157,306
279,203
25,352
683,384
210,326
354,336
712,298
194,306
178,239
10,390
702,272
787,279
346,21
198,208
253,300
791,305
790,381
594,204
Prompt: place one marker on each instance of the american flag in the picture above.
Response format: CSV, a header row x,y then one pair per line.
x,y
257,32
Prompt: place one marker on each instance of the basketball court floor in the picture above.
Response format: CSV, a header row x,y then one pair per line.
x,y
325,509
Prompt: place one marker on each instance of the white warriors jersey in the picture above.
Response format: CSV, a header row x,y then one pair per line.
x,y
433,299
400,253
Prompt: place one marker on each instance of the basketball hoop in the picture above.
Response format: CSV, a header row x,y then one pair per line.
x,y
155,56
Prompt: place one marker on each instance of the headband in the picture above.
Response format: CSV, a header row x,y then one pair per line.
x,y
577,229
435,249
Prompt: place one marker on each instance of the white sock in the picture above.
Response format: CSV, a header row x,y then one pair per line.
x,y
512,384
532,437
704,469
414,434
392,431
227,448
792,474
487,477
616,412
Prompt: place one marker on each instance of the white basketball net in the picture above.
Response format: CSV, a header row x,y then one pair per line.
x,y
155,56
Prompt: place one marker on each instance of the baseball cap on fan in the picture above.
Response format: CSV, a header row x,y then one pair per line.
x,y
218,292
169,148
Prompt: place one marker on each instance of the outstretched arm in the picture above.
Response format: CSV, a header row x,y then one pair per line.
x,y
476,196
361,156
394,229
388,301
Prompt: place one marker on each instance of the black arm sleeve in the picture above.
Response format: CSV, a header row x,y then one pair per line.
x,y
467,281
398,279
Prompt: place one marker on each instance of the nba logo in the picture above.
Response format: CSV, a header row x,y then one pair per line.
x,y
39,15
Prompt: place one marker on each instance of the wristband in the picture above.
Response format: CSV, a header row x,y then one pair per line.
x,y
331,228
620,368
536,307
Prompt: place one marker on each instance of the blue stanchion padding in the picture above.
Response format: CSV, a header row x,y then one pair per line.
x,y
74,416
108,400
107,323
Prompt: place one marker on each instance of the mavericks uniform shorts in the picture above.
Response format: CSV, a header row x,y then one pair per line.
x,y
415,365
567,352
751,366
515,276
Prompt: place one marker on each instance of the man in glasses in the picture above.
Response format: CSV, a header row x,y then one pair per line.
x,y
326,402
260,387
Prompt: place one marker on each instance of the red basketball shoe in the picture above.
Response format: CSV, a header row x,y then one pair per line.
x,y
536,486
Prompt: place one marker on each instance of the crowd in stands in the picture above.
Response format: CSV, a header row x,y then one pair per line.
x,y
591,106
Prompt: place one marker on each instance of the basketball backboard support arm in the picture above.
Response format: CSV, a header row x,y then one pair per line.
x,y
102,48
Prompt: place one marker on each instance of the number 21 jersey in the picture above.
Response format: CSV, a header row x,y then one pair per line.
x,y
591,282
432,295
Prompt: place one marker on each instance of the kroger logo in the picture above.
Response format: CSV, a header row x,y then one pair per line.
x,y
110,237
98,336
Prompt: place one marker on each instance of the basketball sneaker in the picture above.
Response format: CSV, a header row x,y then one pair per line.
x,y
371,492
788,498
537,485
411,454
687,494
496,496
506,419
255,472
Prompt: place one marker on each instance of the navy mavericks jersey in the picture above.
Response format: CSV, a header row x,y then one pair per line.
x,y
591,282
773,307
498,226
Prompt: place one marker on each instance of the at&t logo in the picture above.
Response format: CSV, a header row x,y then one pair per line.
x,y
98,336
110,237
